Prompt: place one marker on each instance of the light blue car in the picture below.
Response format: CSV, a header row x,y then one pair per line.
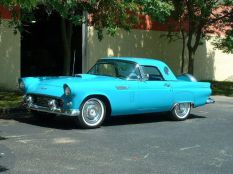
x,y
115,86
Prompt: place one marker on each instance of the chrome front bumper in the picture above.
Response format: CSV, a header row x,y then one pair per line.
x,y
48,105
67,112
210,101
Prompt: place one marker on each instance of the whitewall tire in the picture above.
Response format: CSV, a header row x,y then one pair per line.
x,y
181,111
92,113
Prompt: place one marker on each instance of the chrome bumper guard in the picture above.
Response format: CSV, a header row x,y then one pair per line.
x,y
67,112
210,101
51,106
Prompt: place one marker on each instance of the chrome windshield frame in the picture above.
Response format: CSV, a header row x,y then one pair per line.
x,y
137,66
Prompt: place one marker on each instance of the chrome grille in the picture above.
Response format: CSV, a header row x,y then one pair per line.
x,y
41,100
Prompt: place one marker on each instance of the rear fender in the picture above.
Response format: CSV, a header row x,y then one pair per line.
x,y
183,97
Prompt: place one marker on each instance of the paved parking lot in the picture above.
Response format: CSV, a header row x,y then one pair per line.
x,y
134,144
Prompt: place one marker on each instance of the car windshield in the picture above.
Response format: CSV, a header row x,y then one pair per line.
x,y
119,69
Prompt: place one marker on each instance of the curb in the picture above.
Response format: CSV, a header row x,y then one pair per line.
x,y
7,113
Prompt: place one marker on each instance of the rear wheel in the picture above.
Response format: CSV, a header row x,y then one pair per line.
x,y
181,111
93,112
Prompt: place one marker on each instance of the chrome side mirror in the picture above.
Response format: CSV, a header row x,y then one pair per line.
x,y
145,77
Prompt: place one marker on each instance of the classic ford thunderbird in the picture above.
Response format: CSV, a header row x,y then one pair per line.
x,y
116,86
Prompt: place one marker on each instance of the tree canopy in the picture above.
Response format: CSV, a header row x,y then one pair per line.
x,y
105,14
201,16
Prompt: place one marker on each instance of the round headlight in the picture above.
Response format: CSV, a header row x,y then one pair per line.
x,y
21,85
67,90
29,100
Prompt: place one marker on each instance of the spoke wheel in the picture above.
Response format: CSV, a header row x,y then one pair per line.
x,y
93,112
181,111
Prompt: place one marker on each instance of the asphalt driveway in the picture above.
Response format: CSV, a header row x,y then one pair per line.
x,y
134,144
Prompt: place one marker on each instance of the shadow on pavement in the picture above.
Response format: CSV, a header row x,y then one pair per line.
x,y
137,119
142,119
3,169
59,122
67,123
2,138
192,116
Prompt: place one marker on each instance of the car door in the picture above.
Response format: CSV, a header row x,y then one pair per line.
x,y
125,89
123,97
154,93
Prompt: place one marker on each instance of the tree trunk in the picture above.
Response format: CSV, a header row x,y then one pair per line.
x,y
192,49
67,31
191,62
67,59
183,52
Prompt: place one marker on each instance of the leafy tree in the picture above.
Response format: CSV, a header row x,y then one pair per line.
x,y
203,17
109,15
226,43
106,14
157,9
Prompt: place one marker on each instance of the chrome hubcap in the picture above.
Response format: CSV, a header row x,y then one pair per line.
x,y
182,110
93,112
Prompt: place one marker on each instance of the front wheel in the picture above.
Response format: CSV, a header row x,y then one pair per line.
x,y
181,111
93,112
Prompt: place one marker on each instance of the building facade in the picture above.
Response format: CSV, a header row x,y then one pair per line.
x,y
210,64
9,53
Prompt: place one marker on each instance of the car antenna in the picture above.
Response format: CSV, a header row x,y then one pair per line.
x,y
74,62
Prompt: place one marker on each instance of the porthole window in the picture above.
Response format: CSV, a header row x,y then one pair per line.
x,y
166,70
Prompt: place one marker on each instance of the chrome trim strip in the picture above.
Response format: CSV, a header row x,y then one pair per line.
x,y
122,87
173,106
210,101
67,112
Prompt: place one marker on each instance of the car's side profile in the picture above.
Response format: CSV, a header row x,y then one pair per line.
x,y
116,86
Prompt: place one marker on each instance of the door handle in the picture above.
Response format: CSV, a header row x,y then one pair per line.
x,y
167,85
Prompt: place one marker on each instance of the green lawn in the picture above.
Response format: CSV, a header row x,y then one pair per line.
x,y
222,88
9,99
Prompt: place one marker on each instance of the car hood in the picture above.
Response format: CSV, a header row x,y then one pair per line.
x,y
54,85
80,78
